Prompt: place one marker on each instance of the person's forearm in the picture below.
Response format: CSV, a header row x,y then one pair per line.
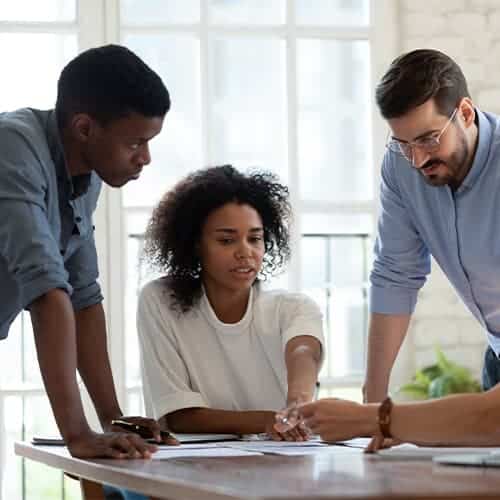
x,y
461,420
55,337
458,420
93,363
302,359
386,334
218,421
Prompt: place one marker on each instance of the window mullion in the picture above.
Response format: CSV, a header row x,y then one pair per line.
x,y
205,90
90,16
292,142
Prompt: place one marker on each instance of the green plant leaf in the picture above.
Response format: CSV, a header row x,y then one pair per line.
x,y
442,361
440,379
414,390
421,378
432,371
442,386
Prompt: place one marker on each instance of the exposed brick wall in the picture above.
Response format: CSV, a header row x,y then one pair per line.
x,y
468,31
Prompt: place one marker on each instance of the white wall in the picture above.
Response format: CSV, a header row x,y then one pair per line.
x,y
468,31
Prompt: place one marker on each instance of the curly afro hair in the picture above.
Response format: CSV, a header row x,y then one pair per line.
x,y
175,227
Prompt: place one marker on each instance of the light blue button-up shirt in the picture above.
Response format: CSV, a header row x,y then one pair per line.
x,y
461,230
46,231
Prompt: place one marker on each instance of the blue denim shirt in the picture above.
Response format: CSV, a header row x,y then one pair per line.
x,y
459,229
46,231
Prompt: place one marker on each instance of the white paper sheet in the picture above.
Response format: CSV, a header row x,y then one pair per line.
x,y
214,452
281,447
356,442
190,446
310,450
270,444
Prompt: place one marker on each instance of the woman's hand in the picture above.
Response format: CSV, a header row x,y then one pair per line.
x,y
276,432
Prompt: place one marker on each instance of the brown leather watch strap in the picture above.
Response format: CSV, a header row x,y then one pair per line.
x,y
384,417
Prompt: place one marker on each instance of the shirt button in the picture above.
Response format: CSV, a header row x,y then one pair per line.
x,y
62,251
78,219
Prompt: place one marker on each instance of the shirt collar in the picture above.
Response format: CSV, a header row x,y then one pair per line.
x,y
77,185
230,328
479,162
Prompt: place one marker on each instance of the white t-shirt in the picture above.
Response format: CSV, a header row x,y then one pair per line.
x,y
192,359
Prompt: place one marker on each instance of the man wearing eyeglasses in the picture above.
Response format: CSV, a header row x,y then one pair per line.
x,y
440,197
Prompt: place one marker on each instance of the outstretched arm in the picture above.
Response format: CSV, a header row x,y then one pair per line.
x,y
303,362
460,420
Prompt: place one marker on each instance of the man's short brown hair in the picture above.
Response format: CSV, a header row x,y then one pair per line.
x,y
418,76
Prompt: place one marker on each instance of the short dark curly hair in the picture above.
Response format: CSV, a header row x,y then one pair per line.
x,y
175,227
109,83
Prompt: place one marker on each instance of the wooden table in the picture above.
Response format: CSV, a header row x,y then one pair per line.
x,y
333,475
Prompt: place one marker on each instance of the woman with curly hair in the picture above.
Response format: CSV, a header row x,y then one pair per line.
x,y
219,353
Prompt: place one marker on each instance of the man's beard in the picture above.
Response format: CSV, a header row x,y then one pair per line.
x,y
455,164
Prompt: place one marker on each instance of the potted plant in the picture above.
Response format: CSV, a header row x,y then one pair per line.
x,y
440,379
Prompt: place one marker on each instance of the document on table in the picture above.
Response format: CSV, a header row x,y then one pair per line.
x,y
182,438
288,448
308,450
189,446
167,452
355,442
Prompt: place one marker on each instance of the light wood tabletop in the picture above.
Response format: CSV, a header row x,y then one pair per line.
x,y
332,475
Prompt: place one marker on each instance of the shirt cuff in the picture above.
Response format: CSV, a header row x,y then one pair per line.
x,y
392,300
317,334
177,401
40,283
87,296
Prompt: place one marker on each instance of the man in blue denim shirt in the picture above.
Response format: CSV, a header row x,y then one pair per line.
x,y
439,196
110,104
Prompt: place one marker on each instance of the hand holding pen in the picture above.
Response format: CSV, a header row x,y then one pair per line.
x,y
147,428
289,418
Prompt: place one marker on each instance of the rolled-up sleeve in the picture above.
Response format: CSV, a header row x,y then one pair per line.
x,y
402,260
83,273
27,245
300,315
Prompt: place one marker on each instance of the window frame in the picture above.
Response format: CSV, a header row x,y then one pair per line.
x,y
383,48
97,23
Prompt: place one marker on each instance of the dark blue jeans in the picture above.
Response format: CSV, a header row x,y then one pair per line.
x,y
112,493
491,369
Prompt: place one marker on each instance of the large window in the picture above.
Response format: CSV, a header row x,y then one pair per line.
x,y
36,40
283,85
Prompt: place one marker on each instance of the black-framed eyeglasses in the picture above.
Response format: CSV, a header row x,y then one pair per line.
x,y
428,144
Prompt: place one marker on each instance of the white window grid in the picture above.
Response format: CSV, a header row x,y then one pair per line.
x,y
290,32
97,23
